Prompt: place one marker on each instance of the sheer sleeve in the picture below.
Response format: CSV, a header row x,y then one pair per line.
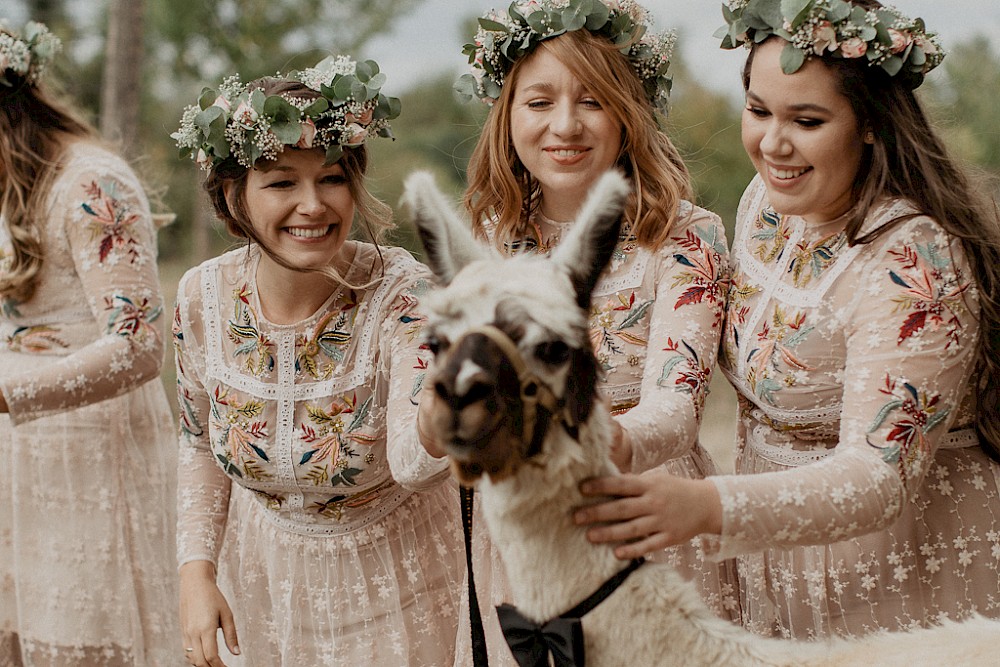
x,y
202,486
685,325
910,338
105,219
401,344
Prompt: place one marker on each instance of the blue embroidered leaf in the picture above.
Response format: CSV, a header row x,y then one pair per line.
x,y
681,259
935,419
406,319
260,452
899,281
796,339
636,314
90,211
913,391
360,414
308,455
690,349
883,413
667,369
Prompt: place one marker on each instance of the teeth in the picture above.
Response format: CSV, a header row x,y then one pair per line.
x,y
567,153
304,233
788,173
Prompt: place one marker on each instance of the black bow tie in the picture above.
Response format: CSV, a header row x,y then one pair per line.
x,y
532,643
561,637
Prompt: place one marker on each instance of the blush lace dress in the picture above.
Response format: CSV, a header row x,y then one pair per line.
x,y
337,539
865,502
88,451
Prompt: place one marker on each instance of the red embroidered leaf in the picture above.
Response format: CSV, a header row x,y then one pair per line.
x,y
914,323
693,295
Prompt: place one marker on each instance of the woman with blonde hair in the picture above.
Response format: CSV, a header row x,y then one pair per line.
x,y
86,436
861,339
574,95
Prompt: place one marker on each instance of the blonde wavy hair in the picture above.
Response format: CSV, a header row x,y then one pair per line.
x,y
35,129
501,189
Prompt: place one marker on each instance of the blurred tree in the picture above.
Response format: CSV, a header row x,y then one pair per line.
x,y
121,85
705,126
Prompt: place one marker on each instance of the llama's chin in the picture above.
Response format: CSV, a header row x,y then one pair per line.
x,y
498,459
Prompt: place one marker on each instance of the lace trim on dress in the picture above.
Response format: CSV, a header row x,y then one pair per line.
x,y
793,458
385,505
826,414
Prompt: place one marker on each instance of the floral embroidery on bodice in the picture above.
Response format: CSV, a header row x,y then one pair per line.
x,y
654,323
296,413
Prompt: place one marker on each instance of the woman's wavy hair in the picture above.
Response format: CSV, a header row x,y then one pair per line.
x,y
375,215
501,189
909,161
35,129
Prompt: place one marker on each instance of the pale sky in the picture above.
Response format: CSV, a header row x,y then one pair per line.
x,y
429,39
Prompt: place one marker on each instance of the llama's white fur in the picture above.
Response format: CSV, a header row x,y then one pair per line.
x,y
656,617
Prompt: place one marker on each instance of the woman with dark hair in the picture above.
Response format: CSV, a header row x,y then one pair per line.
x,y
87,454
860,338
313,528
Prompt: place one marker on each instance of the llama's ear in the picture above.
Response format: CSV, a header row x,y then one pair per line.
x,y
447,241
587,249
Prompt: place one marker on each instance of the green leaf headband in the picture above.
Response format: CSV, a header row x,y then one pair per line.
x,y
884,37
238,121
504,38
26,56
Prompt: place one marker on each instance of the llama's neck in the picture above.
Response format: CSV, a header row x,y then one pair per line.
x,y
550,564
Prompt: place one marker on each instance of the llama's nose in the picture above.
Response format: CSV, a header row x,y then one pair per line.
x,y
462,389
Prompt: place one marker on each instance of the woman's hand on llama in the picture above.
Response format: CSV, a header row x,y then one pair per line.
x,y
203,611
649,512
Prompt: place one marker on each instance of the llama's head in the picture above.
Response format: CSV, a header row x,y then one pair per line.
x,y
510,336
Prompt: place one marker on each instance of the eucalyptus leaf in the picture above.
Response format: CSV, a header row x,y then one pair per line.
x,y
204,118
333,154
792,58
768,10
487,24
316,108
207,97
573,19
598,16
287,132
892,65
377,80
796,11
366,70
839,10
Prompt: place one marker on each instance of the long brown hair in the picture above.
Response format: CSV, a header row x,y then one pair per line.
x,y
909,161
35,129
375,215
501,188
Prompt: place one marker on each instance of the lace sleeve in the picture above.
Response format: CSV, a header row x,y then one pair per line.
x,y
685,326
202,487
409,462
910,346
105,218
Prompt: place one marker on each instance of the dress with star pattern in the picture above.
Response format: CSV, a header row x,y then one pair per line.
x,y
336,536
863,501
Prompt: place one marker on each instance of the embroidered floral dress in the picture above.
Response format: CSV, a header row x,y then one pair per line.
x,y
865,502
87,453
655,323
336,536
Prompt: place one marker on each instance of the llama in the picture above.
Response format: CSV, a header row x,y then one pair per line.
x,y
519,417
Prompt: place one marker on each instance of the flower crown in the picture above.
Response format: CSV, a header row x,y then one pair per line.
x,y
239,121
502,39
26,56
884,36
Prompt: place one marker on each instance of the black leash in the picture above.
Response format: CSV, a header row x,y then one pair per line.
x,y
480,658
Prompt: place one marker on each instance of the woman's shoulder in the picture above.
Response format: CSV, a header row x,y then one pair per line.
x,y
393,262
228,263
696,225
89,157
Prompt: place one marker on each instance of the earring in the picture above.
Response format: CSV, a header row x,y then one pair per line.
x,y
869,137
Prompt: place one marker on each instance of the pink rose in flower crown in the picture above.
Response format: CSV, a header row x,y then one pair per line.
x,y
363,119
308,134
202,159
900,40
355,135
855,47
245,116
528,6
824,38
613,5
222,103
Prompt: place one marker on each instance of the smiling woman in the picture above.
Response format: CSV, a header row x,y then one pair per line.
x,y
313,529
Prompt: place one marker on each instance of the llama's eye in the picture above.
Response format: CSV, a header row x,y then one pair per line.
x,y
552,353
434,344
